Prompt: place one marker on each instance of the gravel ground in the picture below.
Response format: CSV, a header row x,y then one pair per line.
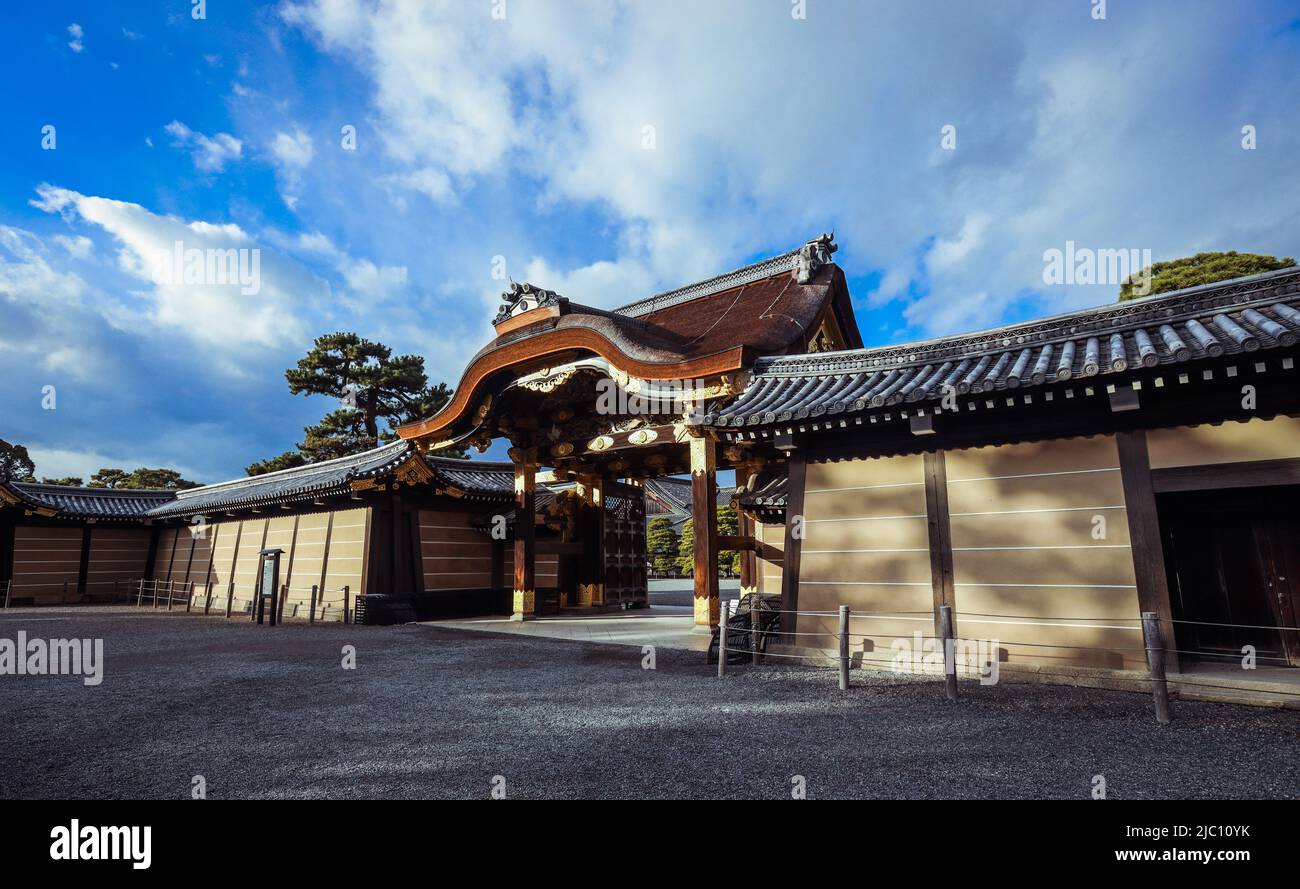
x,y
270,713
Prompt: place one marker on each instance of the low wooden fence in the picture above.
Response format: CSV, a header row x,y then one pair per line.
x,y
745,637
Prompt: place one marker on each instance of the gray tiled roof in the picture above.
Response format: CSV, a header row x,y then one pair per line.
x,y
91,503
287,485
1234,317
477,480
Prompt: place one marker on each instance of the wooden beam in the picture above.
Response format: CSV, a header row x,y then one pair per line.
x,y
939,527
795,529
745,532
743,542
1255,474
525,587
1144,535
704,522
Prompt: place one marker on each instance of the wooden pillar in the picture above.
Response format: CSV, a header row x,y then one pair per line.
x,y
591,574
939,527
1144,536
704,520
745,527
525,588
83,569
795,529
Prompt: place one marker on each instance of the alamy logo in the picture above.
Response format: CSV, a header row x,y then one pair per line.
x,y
55,657
1085,265
211,266
77,843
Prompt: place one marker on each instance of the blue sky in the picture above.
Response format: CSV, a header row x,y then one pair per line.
x,y
606,151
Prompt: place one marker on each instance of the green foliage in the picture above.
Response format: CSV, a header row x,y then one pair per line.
x,y
372,384
661,544
287,460
686,548
69,480
15,464
141,479
1203,268
728,559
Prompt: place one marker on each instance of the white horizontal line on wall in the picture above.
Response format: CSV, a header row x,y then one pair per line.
x,y
925,583
1046,509
865,487
866,518
998,478
920,549
983,549
1026,623
1061,586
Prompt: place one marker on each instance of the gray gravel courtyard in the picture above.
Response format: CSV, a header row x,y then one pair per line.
x,y
270,713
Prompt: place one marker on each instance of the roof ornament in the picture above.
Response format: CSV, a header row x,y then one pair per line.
x,y
520,298
812,256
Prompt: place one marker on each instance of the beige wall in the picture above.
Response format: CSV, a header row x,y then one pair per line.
x,y
1274,439
323,549
769,569
116,555
866,546
45,557
454,555
1024,552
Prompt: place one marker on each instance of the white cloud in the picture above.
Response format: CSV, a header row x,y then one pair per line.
x,y
75,31
292,149
210,154
217,315
78,246
1067,128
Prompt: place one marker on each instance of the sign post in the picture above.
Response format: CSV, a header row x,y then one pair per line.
x,y
268,584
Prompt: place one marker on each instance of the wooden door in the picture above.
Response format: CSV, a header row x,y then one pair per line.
x,y
1233,560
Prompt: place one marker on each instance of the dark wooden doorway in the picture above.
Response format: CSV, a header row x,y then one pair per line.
x,y
1233,557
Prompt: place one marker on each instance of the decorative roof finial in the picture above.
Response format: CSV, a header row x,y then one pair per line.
x,y
812,256
520,298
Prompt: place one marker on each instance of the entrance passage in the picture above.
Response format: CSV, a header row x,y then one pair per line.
x,y
1233,557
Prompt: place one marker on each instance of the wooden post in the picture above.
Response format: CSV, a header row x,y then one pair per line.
x,y
746,527
139,601
230,597
207,604
844,648
524,601
171,590
189,598
311,617
1155,646
1144,532
722,649
704,521
795,529
949,652
347,606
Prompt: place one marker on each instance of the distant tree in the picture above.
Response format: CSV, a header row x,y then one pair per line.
x,y
728,559
1203,268
141,479
686,548
15,464
109,478
661,544
69,480
372,385
287,460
